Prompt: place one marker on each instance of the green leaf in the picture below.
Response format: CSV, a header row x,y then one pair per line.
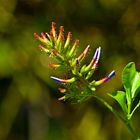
x,y
136,85
128,75
120,97
131,80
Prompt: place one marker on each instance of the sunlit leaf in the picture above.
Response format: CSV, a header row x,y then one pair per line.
x,y
120,97
131,80
136,85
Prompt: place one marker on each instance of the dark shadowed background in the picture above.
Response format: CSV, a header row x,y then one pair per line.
x,y
29,109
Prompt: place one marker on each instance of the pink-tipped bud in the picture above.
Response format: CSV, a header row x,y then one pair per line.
x,y
83,54
60,36
43,36
44,49
39,38
53,30
49,36
86,50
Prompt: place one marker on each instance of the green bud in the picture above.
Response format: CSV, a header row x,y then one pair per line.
x,y
90,73
83,69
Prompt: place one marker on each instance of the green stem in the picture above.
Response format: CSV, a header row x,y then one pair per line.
x,y
110,107
129,103
127,123
131,130
135,109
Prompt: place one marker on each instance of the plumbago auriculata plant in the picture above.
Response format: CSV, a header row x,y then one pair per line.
x,y
80,85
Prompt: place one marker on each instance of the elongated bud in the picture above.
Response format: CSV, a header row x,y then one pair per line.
x,y
110,75
42,38
90,73
83,69
60,39
96,58
96,54
89,67
71,52
83,54
105,79
99,53
53,30
49,36
62,98
44,49
67,40
54,65
39,38
60,36
63,80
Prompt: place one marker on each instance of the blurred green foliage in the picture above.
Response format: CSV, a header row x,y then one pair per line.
x,y
28,98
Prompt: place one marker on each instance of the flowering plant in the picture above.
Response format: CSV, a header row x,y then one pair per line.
x,y
65,53
80,84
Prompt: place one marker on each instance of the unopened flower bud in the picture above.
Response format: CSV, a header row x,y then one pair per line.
x,y
63,80
105,79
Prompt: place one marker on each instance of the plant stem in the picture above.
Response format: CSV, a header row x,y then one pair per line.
x,y
131,130
127,123
135,109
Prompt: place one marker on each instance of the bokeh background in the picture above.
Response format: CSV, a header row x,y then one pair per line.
x,y
29,109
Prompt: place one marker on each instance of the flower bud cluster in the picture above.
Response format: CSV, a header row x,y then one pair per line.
x,y
61,48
